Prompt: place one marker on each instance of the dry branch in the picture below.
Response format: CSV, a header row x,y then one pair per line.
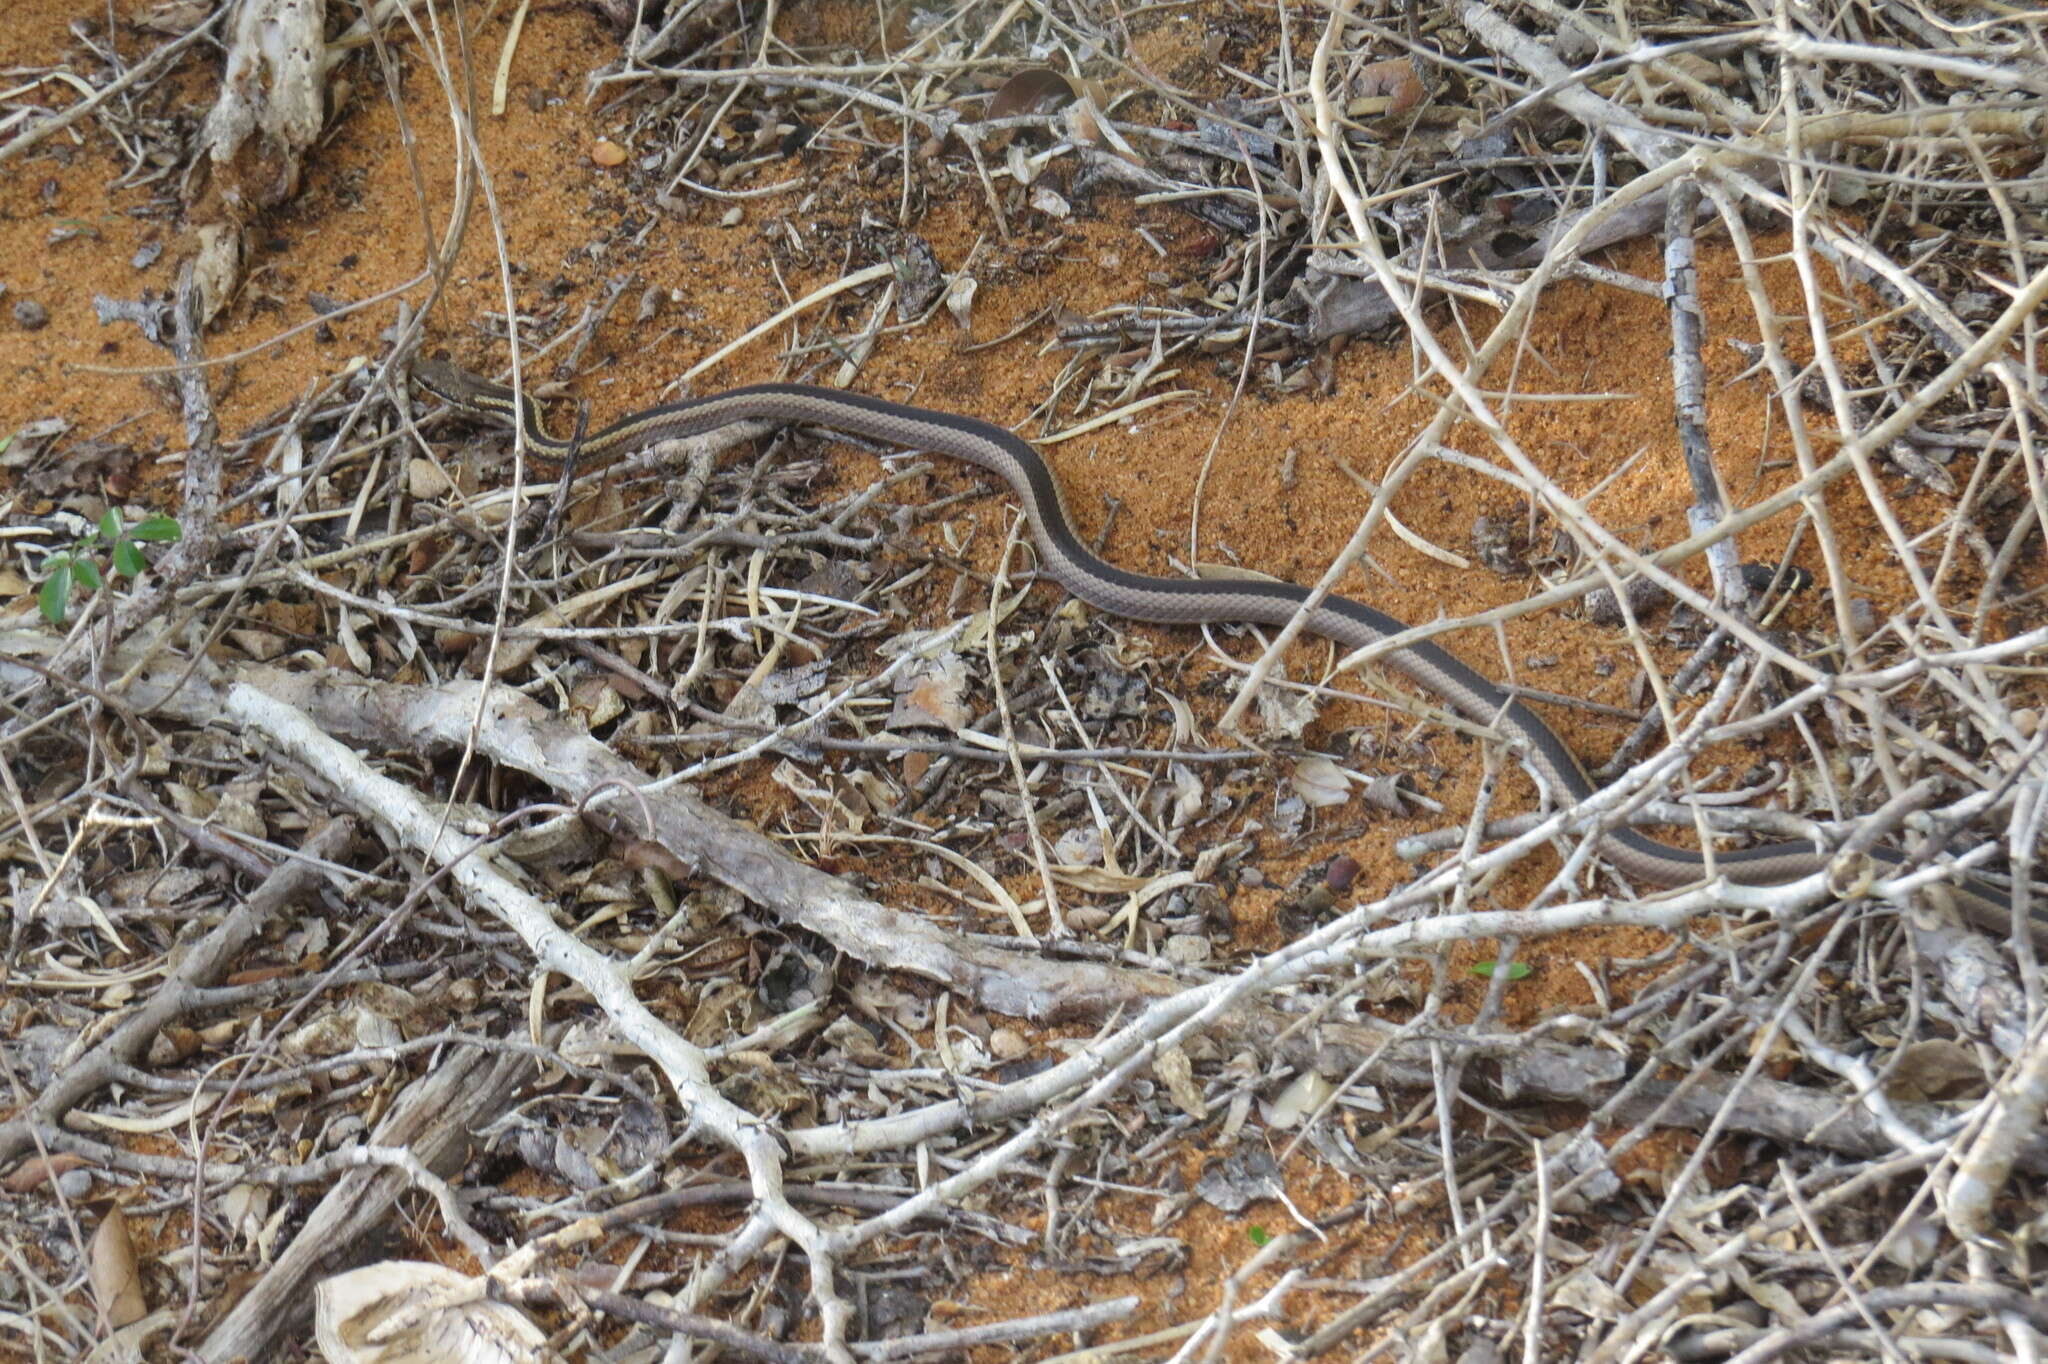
x,y
515,733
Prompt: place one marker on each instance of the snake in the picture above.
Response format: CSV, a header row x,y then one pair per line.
x,y
1067,559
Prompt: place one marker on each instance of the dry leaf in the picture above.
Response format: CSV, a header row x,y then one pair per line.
x,y
1049,203
960,301
173,18
245,1207
261,645
596,700
517,653
929,695
1283,712
1177,1073
1036,90
340,1030
36,1171
1388,88
1303,1095
855,1042
166,1120
639,853
1188,796
1385,792
116,1277
1320,782
412,1312
1080,846
919,277
1020,165
1935,1071
427,480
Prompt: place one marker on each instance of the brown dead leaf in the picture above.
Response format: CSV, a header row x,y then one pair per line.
x,y
1386,89
929,695
404,1310
640,853
896,28
38,1171
1177,1073
1035,90
173,18
116,1276
1935,1071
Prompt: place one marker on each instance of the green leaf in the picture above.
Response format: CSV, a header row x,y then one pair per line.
x,y
88,574
1259,1235
155,528
56,593
1516,970
128,560
110,526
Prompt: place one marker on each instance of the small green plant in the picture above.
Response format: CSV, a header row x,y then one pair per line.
x,y
79,566
1514,970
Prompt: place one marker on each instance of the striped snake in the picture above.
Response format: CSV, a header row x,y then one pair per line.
x,y
1175,601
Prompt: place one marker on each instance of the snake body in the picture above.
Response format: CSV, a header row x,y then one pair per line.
x,y
1174,601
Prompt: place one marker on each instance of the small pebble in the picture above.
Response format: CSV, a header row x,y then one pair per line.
x,y
1757,579
32,315
1644,596
428,480
1007,1044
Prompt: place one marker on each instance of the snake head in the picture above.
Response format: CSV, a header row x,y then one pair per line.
x,y
456,385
